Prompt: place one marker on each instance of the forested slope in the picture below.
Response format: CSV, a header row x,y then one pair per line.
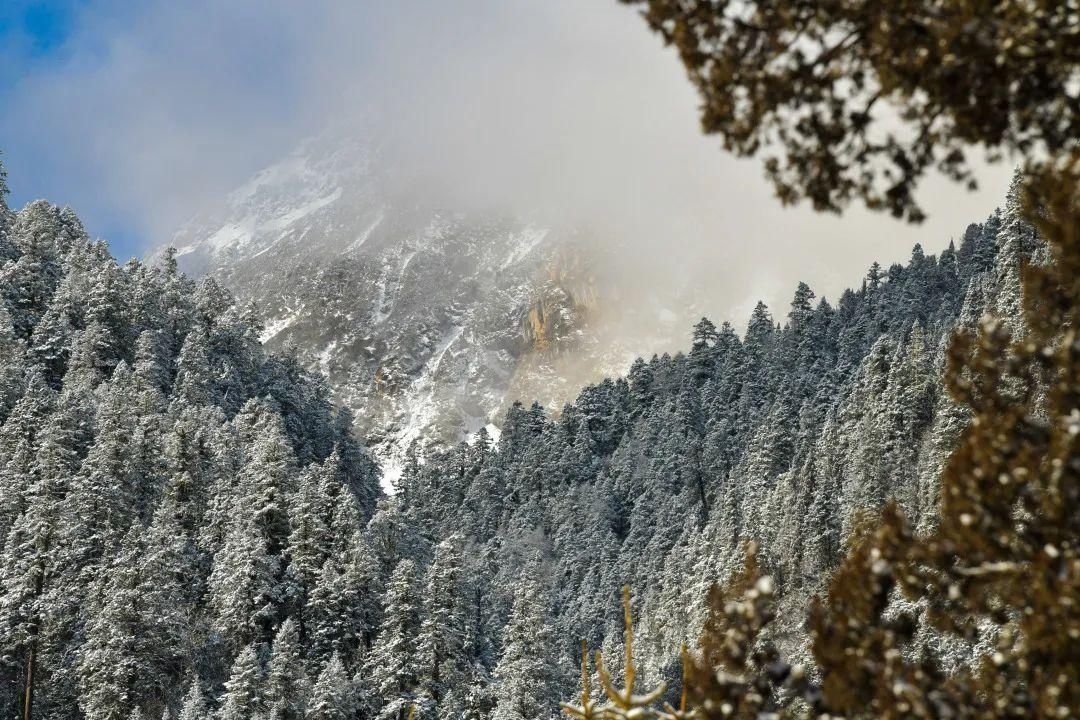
x,y
782,435
188,524
168,492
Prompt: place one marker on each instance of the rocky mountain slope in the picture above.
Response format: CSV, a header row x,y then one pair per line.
x,y
186,521
427,321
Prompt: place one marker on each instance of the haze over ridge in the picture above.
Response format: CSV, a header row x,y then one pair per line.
x,y
562,110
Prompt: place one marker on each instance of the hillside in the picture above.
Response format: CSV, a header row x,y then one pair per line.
x,y
428,321
188,522
784,435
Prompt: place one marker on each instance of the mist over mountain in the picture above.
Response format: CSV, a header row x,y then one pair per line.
x,y
428,320
190,527
432,307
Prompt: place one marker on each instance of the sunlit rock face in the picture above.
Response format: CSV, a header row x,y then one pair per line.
x,y
427,321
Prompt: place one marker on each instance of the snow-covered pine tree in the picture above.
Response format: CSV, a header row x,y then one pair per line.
x,y
332,696
287,685
392,664
443,641
525,679
194,704
243,691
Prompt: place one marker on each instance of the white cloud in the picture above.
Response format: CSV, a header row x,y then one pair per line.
x,y
560,107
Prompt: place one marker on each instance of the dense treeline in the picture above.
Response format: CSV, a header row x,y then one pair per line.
x,y
975,617
782,436
169,494
189,527
816,89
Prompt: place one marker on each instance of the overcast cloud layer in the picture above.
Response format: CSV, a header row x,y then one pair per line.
x,y
563,109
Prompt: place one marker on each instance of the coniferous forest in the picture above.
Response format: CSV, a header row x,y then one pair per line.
x,y
190,529
856,507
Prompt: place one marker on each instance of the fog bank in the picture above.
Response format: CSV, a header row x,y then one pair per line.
x,y
568,112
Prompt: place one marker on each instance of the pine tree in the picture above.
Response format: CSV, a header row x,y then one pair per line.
x,y
112,664
194,379
12,364
1016,242
268,477
18,437
359,583
309,516
392,663
172,588
249,586
31,630
245,587
151,370
441,646
27,283
286,688
331,698
327,614
243,697
525,681
194,707
103,500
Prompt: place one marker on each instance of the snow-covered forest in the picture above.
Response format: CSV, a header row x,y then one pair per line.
x,y
188,528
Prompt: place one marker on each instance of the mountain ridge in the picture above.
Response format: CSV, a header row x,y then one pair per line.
x,y
427,321
187,521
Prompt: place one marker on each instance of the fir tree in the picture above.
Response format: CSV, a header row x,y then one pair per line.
x,y
525,681
443,639
287,686
331,698
243,690
194,707
392,663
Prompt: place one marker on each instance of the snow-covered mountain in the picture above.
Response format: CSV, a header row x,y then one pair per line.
x,y
428,321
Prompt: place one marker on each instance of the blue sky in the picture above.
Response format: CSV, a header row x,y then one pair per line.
x,y
36,29
140,114
33,39
135,112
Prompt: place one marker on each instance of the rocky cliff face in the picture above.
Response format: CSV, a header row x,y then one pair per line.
x,y
427,321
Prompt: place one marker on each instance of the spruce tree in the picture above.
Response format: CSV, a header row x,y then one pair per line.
x,y
309,517
525,682
243,690
194,707
327,614
249,586
12,364
287,685
112,664
332,696
443,640
392,663
28,283
245,584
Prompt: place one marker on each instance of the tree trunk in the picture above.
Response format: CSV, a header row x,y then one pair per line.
x,y
28,704
31,656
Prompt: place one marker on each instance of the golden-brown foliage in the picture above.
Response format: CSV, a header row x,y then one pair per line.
x,y
734,673
1004,560
817,77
